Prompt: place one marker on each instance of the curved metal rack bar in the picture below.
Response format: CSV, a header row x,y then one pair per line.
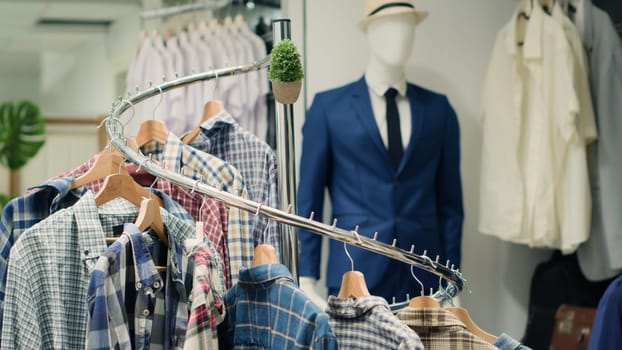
x,y
114,129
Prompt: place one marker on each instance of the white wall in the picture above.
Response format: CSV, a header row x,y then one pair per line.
x,y
451,56
19,88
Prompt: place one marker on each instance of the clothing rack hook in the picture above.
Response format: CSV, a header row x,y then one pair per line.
x,y
394,242
159,102
258,209
412,272
131,116
334,223
375,236
194,188
289,208
311,216
265,231
412,249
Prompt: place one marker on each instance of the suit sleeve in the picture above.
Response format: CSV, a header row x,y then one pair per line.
x,y
315,165
449,190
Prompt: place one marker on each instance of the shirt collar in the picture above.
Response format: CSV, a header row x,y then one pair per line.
x,y
354,307
144,267
91,236
429,317
212,126
379,87
63,187
532,47
264,275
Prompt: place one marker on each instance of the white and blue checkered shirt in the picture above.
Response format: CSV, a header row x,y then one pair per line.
x,y
368,323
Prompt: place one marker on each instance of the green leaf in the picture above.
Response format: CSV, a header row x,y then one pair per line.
x,y
22,133
285,63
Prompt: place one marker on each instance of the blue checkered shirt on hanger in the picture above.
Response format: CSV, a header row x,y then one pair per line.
x,y
266,310
224,138
368,323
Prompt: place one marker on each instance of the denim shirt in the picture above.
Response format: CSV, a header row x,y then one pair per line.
x,y
266,310
505,342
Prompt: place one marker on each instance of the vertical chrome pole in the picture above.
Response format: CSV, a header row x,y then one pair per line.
x,y
281,30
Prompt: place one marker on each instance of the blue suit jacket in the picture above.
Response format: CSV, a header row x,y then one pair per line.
x,y
420,203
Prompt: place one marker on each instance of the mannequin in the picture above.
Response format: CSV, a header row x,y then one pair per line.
x,y
417,200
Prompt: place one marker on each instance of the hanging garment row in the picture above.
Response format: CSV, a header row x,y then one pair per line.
x,y
198,48
552,87
453,326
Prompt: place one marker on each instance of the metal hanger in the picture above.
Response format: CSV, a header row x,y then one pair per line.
x,y
353,282
152,130
264,253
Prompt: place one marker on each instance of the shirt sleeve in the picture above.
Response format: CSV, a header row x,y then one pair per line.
x,y
21,327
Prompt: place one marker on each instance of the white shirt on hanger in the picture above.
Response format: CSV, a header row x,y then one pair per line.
x,y
534,184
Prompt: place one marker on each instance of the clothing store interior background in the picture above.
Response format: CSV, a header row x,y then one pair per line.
x,y
71,58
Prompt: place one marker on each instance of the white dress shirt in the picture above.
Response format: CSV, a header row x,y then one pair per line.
x,y
534,184
379,107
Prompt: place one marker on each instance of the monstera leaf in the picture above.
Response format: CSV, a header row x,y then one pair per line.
x,y
22,130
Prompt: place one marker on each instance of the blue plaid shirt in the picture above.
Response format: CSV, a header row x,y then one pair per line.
x,y
266,310
24,212
223,137
124,275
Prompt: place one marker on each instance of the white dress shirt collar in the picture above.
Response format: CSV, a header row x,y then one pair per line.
x,y
379,87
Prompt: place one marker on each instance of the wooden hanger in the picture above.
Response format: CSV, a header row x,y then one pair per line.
x,y
121,185
463,315
353,285
211,109
264,254
151,130
107,163
149,216
424,302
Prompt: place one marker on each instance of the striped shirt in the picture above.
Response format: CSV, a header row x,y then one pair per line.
x,y
440,330
266,310
368,323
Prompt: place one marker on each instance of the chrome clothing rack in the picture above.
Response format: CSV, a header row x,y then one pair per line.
x,y
114,129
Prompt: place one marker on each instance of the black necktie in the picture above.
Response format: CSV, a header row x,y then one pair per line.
x,y
396,149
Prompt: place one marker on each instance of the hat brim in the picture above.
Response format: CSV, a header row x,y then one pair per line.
x,y
420,15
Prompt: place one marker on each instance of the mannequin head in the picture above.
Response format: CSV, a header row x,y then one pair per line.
x,y
391,39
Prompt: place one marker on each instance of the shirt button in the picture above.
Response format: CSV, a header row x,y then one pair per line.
x,y
139,285
156,284
86,252
145,312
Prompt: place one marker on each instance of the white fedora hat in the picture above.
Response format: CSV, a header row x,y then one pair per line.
x,y
382,8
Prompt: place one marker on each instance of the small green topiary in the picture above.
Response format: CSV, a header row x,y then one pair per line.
x,y
285,63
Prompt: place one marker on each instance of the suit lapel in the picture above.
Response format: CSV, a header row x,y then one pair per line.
x,y
362,105
417,111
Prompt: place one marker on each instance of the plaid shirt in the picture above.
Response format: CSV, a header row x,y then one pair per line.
x,y
440,329
266,310
223,137
233,241
207,309
52,262
368,323
24,212
123,276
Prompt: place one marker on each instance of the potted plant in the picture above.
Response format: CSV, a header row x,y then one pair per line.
x,y
22,130
285,72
